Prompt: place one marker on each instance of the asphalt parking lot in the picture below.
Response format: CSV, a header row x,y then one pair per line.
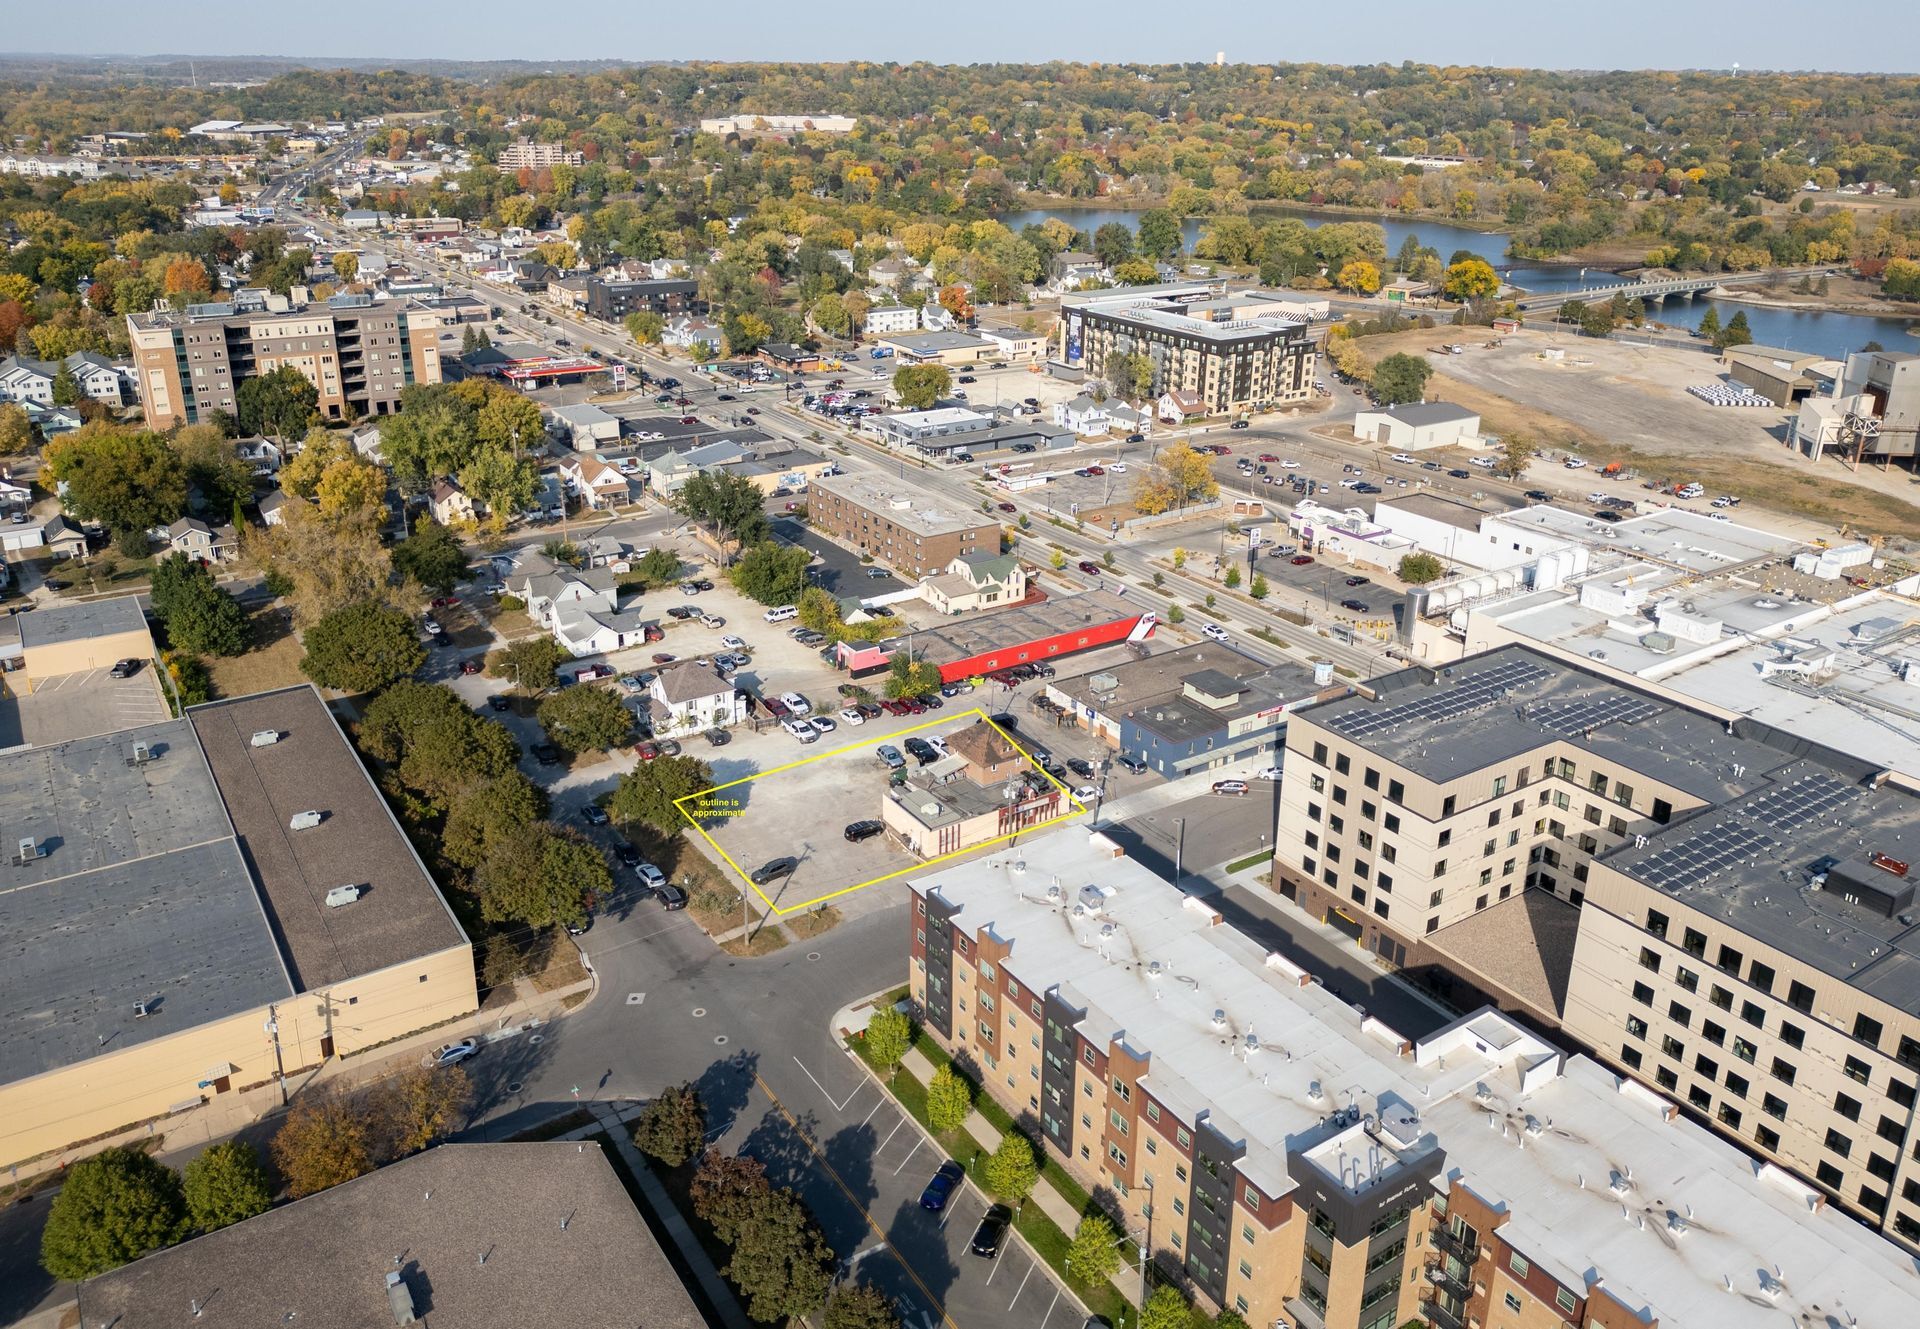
x,y
839,570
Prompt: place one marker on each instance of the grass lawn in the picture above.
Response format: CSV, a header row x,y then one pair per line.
x,y
814,922
764,940
273,660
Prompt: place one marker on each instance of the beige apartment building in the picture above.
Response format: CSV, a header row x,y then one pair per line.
x,y
524,154
357,351
1287,1156
1230,353
910,530
1718,910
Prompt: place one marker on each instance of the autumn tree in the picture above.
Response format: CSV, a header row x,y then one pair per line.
x,y
1470,279
128,481
725,1191
324,1141
888,1035
1359,277
411,1110
329,564
1418,569
781,1262
908,677
1177,476
1514,454
346,266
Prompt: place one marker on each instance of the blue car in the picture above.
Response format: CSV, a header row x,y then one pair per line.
x,y
944,1183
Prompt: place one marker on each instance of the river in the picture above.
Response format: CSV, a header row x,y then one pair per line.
x,y
1834,335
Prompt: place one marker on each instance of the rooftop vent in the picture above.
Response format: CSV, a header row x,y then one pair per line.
x,y
1219,1018
305,821
400,1299
265,738
1093,898
142,754
342,895
29,849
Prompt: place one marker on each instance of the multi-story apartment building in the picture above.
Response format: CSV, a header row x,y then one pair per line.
x,y
358,352
1722,911
614,300
1238,353
910,530
524,154
1283,1154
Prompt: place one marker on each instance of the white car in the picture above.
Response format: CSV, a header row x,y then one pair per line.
x,y
733,643
1215,632
1575,464
1289,465
1086,793
433,628
796,703
800,729
1596,498
1118,468
650,876
821,724
851,716
1267,773
1403,457
1484,463
454,1053
712,621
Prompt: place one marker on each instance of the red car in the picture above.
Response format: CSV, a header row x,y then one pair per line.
x,y
661,657
1268,456
1007,507
1091,569
914,705
446,602
1301,560
688,420
469,667
646,752
1096,470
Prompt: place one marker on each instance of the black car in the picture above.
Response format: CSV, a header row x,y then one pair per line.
x,y
967,378
1080,767
1358,581
863,830
125,669
1538,496
629,856
1023,447
1458,474
1357,606
1240,424
1608,514
684,611
991,1232
1004,720
718,738
546,754
921,750
671,897
773,870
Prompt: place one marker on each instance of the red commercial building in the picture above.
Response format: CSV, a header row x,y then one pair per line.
x,y
983,643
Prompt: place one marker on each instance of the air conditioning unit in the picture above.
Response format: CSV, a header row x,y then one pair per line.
x,y
342,895
28,851
265,738
304,821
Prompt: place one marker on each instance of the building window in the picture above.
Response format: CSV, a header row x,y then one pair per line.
x,y
1867,1030
1838,1143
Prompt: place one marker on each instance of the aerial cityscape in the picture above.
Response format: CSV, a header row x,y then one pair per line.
x,y
688,675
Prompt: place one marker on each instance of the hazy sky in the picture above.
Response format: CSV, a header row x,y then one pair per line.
x,y
1849,35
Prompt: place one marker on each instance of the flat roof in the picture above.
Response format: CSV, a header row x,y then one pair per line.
x,y
944,340
1150,691
1674,537
904,503
81,620
979,634
484,1236
1426,412
1455,512
400,915
1571,1132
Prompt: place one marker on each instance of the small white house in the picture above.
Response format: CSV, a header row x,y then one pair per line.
x,y
1177,407
1411,428
689,697
203,543
1083,415
450,503
586,426
599,484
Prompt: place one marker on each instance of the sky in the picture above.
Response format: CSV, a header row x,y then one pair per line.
x,y
1837,35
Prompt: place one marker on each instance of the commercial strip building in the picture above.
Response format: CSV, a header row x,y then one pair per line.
x,y
178,931
359,352
982,789
1719,909
1043,631
909,529
487,1236
1293,1159
1247,351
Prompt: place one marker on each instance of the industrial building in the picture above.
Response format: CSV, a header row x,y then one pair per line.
x,y
1418,426
979,644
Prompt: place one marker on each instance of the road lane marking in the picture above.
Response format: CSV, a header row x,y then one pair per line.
x,y
837,1107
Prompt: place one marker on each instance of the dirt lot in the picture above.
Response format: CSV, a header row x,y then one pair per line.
x,y
1616,402
273,661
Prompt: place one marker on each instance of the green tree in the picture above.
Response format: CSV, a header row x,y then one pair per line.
x,y
1710,325
280,402
648,792
949,1100
888,1036
127,481
1058,559
226,1184
112,1208
543,879
726,1190
205,620
66,388
1113,244
1136,272
1165,1309
438,745
907,677
1233,577
584,719
361,648
772,574
1735,333
1419,569
1515,453
781,1263
481,817
1012,1170
673,1127
1159,234
431,556
532,663
919,386
1094,1253
829,313
323,1142
645,326
1401,378
1470,279
731,506
853,1306
659,567
1258,588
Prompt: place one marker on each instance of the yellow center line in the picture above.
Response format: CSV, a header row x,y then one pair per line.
x,y
821,1158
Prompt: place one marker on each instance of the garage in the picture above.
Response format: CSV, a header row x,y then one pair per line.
x,y
1337,917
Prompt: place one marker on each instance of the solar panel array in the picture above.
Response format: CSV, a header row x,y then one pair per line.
x,y
1460,697
1702,855
1576,717
1807,799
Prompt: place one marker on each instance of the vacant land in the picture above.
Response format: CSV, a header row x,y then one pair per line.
x,y
272,661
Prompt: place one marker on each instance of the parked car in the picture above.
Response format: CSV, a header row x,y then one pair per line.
x,y
1359,581
821,724
671,897
891,756
499,703
795,703
717,737
991,1232
773,870
125,669
947,1180
1134,764
546,754
1357,606
1238,788
1081,767
1267,773
594,815
849,715
1301,560
921,751
469,667
452,1054
733,643
863,830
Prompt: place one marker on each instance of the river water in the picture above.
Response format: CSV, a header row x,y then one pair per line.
x,y
1830,334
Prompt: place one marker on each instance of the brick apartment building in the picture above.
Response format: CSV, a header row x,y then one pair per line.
x,y
358,352
915,533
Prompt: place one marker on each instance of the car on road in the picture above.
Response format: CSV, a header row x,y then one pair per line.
x,y
1240,424
452,1054
1538,496
947,1180
863,830
852,716
594,815
877,573
1237,788
1267,773
1006,507
1086,793
546,754
795,703
433,629
991,1232
469,667
499,703
445,601
1090,568
1359,581
1357,606
1136,438
1458,474
772,870
889,754
1301,560
671,897
1214,632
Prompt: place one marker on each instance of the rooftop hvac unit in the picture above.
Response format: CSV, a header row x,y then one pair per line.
x,y
342,895
304,821
28,851
142,754
265,738
400,1299
139,1010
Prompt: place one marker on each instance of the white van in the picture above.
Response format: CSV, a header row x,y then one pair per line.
x,y
782,613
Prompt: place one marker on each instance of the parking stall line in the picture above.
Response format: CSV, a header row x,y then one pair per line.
x,y
837,1107
1050,1307
882,1147
1022,1288
878,1103
997,1263
909,1158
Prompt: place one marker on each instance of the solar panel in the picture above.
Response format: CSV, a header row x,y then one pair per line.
x,y
1575,717
1462,696
1710,850
1806,800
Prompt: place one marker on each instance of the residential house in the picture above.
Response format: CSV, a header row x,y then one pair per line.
x,y
1125,419
23,379
1072,268
25,538
670,470
203,543
52,421
567,291
690,697
581,608
1178,407
366,442
273,508
891,318
982,790
934,317
62,539
977,581
690,330
891,272
264,455
1084,416
1015,345
599,484
13,497
450,503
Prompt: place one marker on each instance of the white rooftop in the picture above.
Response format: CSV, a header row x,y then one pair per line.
x,y
937,418
1697,1237
1671,536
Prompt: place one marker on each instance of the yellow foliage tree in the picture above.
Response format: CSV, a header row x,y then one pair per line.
x,y
1360,277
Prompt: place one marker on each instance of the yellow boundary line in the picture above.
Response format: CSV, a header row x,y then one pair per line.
x,y
679,803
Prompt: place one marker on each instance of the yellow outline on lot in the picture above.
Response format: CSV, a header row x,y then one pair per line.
x,y
1079,808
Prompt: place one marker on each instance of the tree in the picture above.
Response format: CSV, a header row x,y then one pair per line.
x,y
301,474
362,648
418,1106
648,792
1401,378
1012,1170
1058,559
346,266
127,481
330,564
17,433
888,1036
437,744
483,815
543,879
731,506
781,1263
222,480
1136,272
431,556
919,386
907,677
1470,279
1113,244
1710,324
201,618
1094,1253
1359,277
112,1208
1419,569
1735,333
659,567
280,402
829,314
772,574
949,1100
1515,453
1178,476
1165,1309
533,663
853,1306
1258,587
585,720
673,1128
1159,234
351,487
726,1189
66,388
226,1184
953,299
1233,577
645,326
323,1143
1132,374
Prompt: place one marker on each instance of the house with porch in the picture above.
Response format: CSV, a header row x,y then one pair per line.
x,y
599,484
450,503
1177,408
976,581
1084,416
581,608
689,697
203,543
